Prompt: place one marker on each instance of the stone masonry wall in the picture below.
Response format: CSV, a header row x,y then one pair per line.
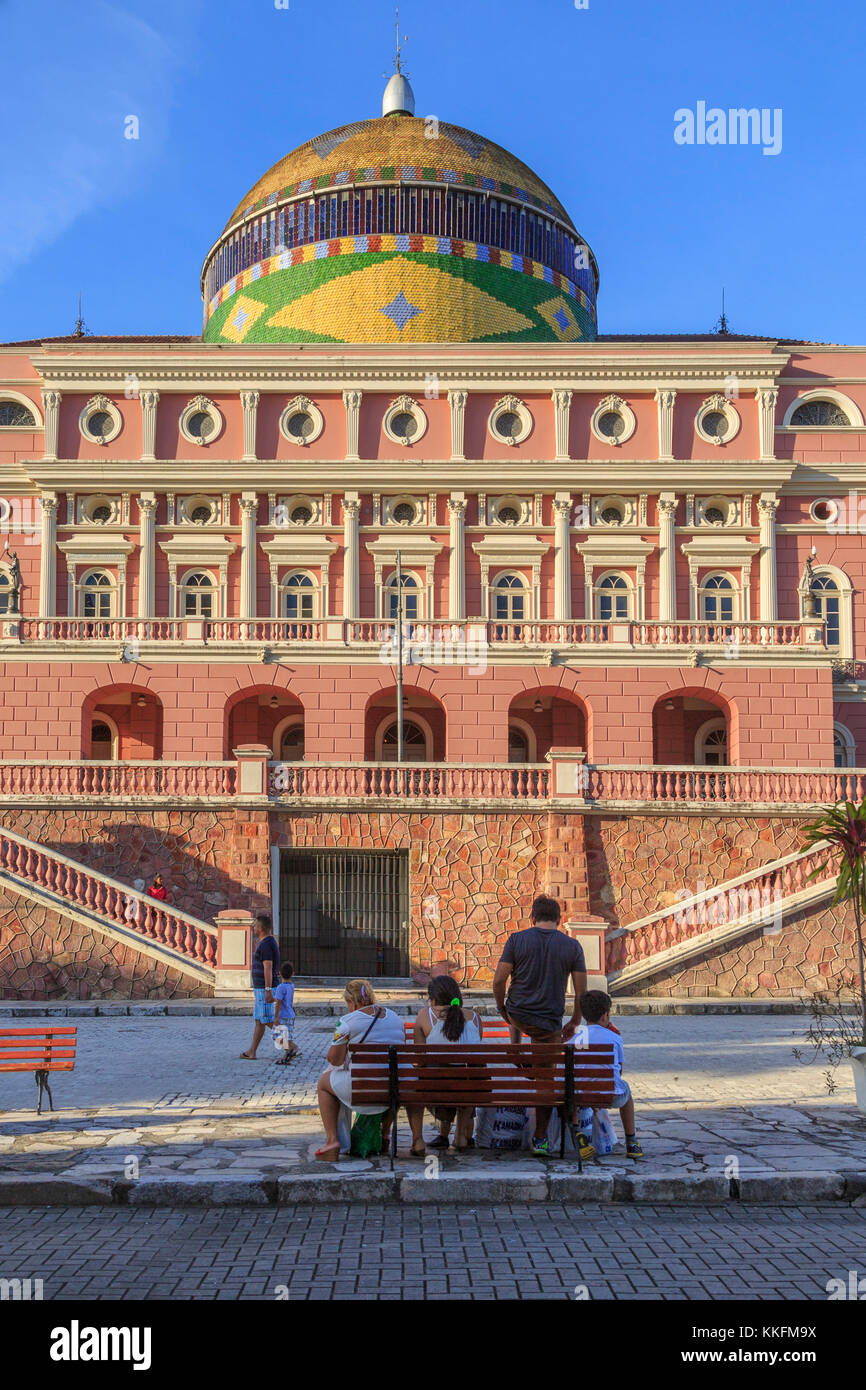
x,y
47,955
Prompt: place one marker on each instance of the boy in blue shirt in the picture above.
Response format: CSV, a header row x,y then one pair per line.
x,y
595,1008
284,1012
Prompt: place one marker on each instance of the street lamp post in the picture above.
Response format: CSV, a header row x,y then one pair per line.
x,y
399,616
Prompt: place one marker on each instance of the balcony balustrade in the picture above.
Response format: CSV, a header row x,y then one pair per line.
x,y
565,782
439,642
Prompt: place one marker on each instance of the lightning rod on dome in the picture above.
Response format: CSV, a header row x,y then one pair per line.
x,y
399,99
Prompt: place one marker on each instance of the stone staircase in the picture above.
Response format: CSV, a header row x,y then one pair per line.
x,y
707,922
62,890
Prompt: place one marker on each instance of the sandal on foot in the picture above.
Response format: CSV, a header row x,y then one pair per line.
x,y
329,1153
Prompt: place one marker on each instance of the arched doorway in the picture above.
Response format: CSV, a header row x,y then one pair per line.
x,y
423,727
121,724
691,730
539,720
271,716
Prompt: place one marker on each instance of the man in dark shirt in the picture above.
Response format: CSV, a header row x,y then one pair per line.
x,y
534,968
264,970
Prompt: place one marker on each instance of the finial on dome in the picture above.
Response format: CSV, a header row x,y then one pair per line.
x,y
399,99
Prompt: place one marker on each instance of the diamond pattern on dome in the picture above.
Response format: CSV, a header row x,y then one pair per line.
x,y
447,307
401,311
562,319
245,313
472,144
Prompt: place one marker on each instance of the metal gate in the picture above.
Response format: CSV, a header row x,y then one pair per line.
x,y
344,912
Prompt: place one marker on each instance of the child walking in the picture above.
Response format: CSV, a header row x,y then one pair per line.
x,y
284,1014
595,1006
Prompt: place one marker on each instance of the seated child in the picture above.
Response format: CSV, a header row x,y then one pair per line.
x,y
595,1007
284,1013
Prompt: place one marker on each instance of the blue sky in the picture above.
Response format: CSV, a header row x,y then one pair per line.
x,y
585,96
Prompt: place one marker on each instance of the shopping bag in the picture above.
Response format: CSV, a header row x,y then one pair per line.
x,y
502,1127
280,1035
366,1137
602,1138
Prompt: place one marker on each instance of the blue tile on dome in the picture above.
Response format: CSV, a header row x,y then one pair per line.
x,y
400,311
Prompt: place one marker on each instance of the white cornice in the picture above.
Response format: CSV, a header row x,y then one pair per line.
x,y
202,550
370,475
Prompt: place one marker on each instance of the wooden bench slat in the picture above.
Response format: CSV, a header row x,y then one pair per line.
x,y
28,1066
36,1032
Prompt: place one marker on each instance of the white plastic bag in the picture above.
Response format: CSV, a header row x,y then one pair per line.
x,y
280,1034
603,1139
502,1127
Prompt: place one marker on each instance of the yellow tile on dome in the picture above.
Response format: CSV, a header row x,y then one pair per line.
x,y
400,301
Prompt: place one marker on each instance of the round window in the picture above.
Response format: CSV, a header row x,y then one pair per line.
x,y
300,425
404,424
508,515
508,424
102,513
824,509
201,515
611,424
200,425
99,424
300,515
715,423
715,516
404,512
611,516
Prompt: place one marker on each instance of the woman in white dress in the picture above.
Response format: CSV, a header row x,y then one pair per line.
x,y
366,1021
445,1020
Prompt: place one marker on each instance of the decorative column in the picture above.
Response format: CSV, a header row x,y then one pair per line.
x,y
249,510
51,409
766,399
562,555
146,554
457,556
149,403
665,397
767,505
562,406
351,585
250,403
48,555
667,558
457,401
352,402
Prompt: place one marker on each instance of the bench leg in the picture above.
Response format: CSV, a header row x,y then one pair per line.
x,y
42,1086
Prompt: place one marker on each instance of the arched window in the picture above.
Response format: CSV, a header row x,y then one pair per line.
x,y
289,741
818,412
844,748
518,745
415,743
828,602
8,599
613,598
711,744
16,415
299,596
411,598
718,599
96,595
103,739
197,595
509,604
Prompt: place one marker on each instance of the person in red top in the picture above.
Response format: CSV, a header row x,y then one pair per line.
x,y
158,889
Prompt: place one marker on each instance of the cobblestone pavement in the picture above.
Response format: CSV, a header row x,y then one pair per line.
x,y
174,1094
441,1252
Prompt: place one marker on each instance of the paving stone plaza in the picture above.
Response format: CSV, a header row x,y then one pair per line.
x,y
156,1099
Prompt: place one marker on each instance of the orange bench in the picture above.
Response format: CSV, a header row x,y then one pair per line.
x,y
39,1050
492,1028
485,1074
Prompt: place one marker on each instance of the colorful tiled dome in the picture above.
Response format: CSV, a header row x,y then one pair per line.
x,y
401,229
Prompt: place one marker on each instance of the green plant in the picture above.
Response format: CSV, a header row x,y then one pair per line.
x,y
841,830
835,1029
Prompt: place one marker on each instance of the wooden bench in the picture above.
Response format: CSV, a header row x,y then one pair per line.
x,y
485,1074
39,1050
